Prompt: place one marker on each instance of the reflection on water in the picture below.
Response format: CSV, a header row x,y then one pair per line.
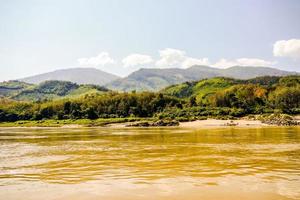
x,y
168,163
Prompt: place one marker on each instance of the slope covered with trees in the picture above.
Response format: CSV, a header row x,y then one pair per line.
x,y
10,88
210,97
92,106
258,95
47,90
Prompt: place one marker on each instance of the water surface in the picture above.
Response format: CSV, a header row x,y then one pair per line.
x,y
151,163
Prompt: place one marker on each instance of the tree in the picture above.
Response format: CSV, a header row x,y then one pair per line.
x,y
91,114
285,97
192,101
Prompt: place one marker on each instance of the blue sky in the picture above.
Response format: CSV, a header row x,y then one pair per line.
x,y
121,36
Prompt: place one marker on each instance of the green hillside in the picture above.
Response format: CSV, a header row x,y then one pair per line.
x,y
10,88
217,97
201,89
47,90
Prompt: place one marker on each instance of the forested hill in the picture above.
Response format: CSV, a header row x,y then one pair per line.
x,y
210,91
47,90
210,97
156,79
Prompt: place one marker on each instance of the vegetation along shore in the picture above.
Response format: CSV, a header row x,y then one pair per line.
x,y
271,100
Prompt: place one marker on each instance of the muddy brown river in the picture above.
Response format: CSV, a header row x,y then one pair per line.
x,y
150,163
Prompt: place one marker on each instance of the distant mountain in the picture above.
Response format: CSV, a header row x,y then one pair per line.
x,y
156,79
75,75
46,90
252,72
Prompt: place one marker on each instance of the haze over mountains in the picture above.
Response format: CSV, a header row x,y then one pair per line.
x,y
156,79
69,83
153,79
75,75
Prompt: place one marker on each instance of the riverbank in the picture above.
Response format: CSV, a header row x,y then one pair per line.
x,y
71,123
222,123
249,121
206,123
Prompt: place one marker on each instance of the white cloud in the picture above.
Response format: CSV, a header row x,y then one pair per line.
x,y
254,62
188,62
102,59
170,58
223,63
287,48
176,58
136,59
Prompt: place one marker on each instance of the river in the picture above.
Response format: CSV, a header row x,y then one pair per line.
x,y
150,163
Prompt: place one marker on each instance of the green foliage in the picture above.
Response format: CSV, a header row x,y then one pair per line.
x,y
192,113
66,122
14,84
59,88
201,90
86,89
192,101
204,89
183,90
47,90
240,96
264,80
10,88
91,106
257,95
290,81
216,97
286,98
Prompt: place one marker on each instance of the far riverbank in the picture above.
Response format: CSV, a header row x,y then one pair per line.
x,y
248,121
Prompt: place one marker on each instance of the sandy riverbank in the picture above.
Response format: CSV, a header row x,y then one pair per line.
x,y
221,123
208,123
191,124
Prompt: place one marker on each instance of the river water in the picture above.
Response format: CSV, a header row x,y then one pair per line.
x,y
150,163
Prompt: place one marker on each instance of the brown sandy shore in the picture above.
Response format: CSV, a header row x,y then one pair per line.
x,y
215,123
208,123
218,123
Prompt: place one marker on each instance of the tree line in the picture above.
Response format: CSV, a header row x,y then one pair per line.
x,y
240,99
108,105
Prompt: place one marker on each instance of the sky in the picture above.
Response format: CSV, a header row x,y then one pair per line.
x,y
121,36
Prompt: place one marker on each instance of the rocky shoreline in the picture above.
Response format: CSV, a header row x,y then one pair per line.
x,y
278,120
255,120
156,123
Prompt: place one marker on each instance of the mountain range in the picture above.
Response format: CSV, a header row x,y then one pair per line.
x,y
156,79
153,79
75,75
